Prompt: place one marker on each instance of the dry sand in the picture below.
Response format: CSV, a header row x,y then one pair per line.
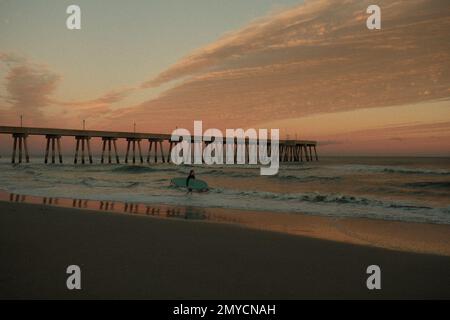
x,y
126,256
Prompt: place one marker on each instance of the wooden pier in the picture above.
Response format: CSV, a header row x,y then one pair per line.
x,y
289,150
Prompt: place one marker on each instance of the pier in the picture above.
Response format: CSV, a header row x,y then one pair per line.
x,y
289,150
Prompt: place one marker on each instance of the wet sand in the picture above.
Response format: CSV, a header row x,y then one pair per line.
x,y
134,256
397,235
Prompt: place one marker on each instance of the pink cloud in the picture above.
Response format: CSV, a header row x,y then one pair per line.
x,y
310,59
30,88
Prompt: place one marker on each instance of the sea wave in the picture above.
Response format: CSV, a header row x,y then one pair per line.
x,y
341,205
309,178
91,182
394,169
141,169
229,173
51,181
315,197
290,176
441,185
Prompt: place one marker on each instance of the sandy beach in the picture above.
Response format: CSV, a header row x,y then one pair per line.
x,y
133,256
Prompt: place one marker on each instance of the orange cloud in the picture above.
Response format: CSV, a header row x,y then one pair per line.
x,y
30,88
94,108
315,58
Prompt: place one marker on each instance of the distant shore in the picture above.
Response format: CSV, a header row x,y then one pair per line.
x,y
133,256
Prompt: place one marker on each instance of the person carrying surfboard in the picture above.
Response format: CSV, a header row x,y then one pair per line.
x,y
190,176
191,183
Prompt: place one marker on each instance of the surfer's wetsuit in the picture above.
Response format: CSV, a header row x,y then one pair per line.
x,y
191,176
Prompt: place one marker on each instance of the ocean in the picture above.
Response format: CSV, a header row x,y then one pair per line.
x,y
402,189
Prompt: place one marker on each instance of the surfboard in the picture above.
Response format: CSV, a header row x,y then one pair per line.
x,y
194,184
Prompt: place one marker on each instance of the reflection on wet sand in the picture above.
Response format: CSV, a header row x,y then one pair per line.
x,y
17,198
79,203
131,208
163,211
106,205
53,201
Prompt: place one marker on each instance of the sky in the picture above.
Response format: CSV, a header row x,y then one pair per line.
x,y
311,69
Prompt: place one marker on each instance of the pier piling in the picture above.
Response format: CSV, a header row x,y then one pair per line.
x,y
153,144
110,142
20,140
132,141
51,140
84,140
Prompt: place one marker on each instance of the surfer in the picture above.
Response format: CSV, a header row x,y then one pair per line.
x,y
190,176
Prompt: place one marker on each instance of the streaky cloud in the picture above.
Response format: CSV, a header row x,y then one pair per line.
x,y
318,57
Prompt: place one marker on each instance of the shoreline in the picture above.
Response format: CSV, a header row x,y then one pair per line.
x,y
394,235
127,256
